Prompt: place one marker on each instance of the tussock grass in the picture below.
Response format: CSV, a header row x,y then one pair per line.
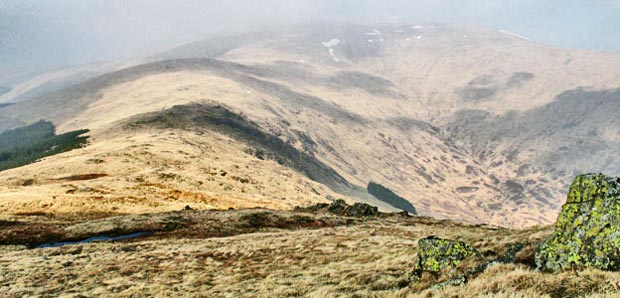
x,y
353,257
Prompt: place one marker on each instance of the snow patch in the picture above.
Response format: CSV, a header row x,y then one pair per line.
x,y
417,27
332,52
373,33
513,34
371,40
419,37
331,43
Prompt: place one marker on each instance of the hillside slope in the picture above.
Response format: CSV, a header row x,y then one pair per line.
x,y
462,122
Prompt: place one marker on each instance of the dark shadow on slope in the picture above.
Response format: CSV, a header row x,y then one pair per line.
x,y
25,145
580,127
578,132
220,119
386,195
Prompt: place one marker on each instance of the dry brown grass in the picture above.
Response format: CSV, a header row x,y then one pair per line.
x,y
357,258
520,281
153,171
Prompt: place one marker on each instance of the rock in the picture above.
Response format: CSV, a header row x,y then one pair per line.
x,y
436,254
337,206
510,255
587,231
361,209
313,208
340,207
461,278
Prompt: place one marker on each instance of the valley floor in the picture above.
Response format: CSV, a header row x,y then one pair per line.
x,y
263,253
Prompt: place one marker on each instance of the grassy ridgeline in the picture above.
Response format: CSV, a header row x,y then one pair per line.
x,y
386,195
25,145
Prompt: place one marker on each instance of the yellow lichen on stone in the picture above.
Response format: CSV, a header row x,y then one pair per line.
x,y
437,254
587,231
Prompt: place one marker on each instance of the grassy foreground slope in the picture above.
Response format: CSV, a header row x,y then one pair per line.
x,y
263,253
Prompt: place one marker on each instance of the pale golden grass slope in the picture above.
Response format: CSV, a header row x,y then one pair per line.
x,y
412,161
154,171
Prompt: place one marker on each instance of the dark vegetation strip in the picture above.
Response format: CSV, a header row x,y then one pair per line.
x,y
386,195
82,177
189,224
25,145
95,239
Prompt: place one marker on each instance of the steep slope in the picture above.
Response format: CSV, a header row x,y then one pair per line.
x,y
441,115
401,146
573,134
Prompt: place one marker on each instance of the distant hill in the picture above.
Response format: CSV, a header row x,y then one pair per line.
x,y
471,124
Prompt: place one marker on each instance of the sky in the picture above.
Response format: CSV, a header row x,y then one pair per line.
x,y
46,34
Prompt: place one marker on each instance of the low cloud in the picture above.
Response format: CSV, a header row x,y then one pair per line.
x,y
47,33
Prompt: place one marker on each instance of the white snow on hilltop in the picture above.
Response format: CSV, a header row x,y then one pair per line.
x,y
513,34
331,43
417,27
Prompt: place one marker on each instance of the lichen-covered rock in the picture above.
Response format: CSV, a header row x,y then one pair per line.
x,y
587,232
436,254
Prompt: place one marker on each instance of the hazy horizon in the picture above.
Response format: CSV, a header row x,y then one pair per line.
x,y
37,35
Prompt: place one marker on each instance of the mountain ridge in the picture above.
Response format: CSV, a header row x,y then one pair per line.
x,y
380,103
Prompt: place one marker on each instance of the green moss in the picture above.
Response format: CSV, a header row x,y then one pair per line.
x,y
587,231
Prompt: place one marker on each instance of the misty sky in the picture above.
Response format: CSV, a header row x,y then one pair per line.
x,y
41,34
